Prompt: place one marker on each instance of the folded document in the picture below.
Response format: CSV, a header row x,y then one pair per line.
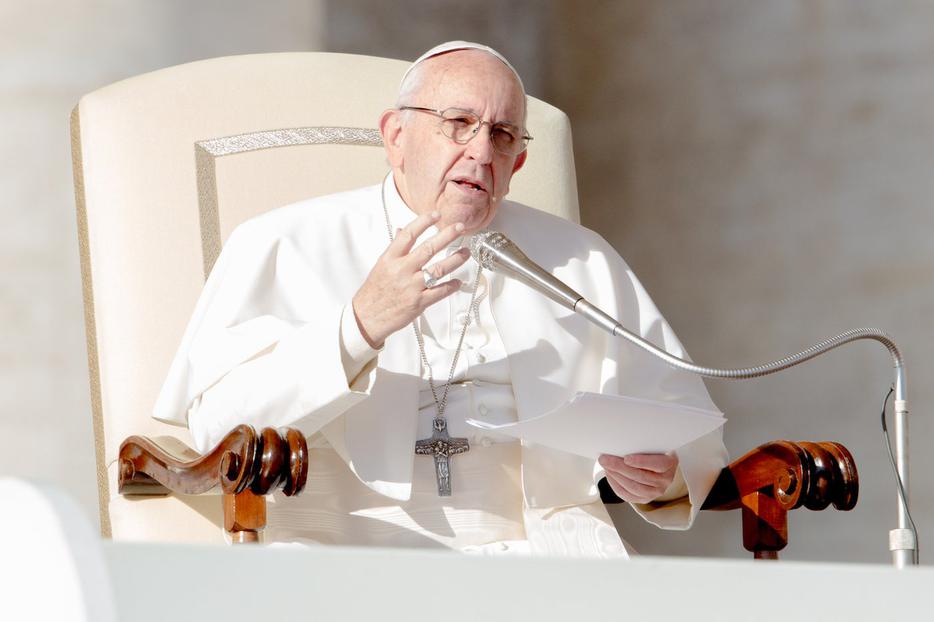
x,y
590,424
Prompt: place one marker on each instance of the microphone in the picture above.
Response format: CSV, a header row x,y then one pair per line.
x,y
494,251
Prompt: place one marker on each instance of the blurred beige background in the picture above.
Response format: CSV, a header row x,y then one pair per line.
x,y
765,167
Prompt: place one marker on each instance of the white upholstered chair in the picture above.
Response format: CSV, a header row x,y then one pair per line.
x,y
166,165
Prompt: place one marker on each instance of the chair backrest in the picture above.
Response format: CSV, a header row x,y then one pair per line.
x,y
166,164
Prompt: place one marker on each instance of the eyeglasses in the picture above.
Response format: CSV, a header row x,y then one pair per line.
x,y
462,125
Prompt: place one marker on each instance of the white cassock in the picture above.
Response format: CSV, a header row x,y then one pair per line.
x,y
271,340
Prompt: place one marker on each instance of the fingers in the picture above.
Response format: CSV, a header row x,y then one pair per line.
x,y
394,291
405,237
652,462
429,248
622,468
439,292
449,264
631,491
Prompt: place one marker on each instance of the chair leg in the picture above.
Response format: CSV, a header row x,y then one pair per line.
x,y
244,516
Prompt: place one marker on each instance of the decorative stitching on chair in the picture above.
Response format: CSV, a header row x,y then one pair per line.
x,y
290,137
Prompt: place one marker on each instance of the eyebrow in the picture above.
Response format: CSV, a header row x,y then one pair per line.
x,y
474,112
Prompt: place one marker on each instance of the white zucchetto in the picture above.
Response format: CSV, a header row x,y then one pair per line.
x,y
451,46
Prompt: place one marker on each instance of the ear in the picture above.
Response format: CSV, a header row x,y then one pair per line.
x,y
520,161
390,128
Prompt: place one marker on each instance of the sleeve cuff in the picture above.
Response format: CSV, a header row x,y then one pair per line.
x,y
356,353
672,510
676,489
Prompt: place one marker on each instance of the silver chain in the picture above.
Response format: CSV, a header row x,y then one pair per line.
x,y
440,404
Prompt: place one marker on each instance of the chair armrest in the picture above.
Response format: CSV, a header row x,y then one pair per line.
x,y
246,465
773,479
780,476
814,475
765,483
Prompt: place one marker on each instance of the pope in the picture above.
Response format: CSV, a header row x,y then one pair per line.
x,y
359,318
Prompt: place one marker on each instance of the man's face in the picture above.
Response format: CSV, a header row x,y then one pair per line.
x,y
465,183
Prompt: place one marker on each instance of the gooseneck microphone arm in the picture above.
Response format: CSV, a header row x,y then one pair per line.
x,y
494,251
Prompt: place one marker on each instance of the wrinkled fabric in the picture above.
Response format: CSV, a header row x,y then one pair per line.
x,y
263,347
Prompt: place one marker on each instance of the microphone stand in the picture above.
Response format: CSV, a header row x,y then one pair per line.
x,y
496,252
902,541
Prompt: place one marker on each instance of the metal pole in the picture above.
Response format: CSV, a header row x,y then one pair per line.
x,y
902,542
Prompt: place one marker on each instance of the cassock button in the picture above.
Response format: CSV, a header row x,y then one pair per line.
x,y
480,358
486,442
483,410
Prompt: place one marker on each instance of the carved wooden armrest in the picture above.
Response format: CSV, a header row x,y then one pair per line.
x,y
773,479
246,465
781,476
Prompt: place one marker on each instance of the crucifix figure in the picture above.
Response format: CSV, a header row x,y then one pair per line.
x,y
442,447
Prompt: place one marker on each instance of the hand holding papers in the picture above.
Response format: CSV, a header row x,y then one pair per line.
x,y
590,424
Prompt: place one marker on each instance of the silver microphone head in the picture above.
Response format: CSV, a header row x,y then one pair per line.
x,y
485,247
495,252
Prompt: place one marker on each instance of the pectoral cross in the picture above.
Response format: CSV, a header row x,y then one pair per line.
x,y
442,447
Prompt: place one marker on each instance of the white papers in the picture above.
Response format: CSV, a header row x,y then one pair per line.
x,y
590,424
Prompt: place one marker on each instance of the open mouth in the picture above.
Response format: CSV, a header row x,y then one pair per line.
x,y
467,184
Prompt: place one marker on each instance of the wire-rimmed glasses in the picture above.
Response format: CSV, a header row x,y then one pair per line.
x,y
462,125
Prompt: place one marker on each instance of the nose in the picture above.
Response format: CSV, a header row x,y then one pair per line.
x,y
480,147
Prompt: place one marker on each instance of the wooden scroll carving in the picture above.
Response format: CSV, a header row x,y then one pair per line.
x,y
246,465
773,479
778,477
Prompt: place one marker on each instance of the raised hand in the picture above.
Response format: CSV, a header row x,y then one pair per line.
x,y
394,292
